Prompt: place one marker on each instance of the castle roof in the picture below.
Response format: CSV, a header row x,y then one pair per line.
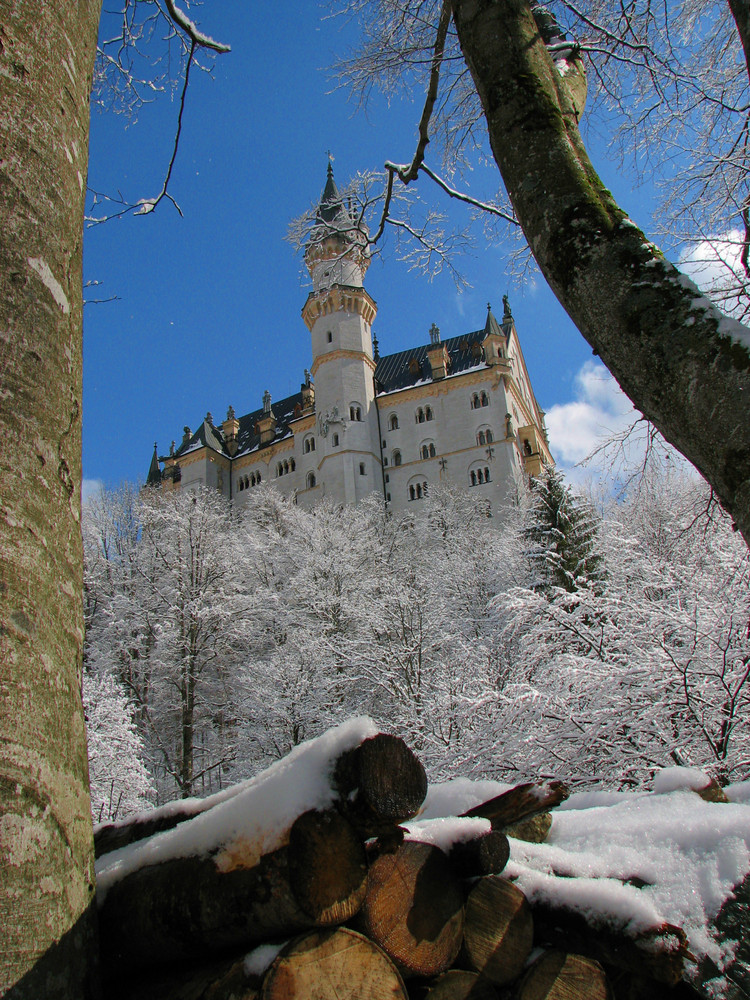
x,y
393,372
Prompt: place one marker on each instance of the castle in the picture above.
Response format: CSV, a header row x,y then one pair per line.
x,y
460,410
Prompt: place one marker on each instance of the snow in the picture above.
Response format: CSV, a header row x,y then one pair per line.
x,y
739,792
669,779
259,959
446,831
256,819
690,854
451,798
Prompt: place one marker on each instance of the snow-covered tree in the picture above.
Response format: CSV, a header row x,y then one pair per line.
x,y
119,779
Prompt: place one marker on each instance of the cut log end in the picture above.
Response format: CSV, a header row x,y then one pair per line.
x,y
329,964
557,975
327,867
457,984
485,855
414,908
498,931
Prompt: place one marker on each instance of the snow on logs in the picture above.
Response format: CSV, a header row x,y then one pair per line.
x,y
314,864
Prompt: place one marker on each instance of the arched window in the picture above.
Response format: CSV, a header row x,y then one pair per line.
x,y
484,399
279,469
488,436
286,467
252,479
397,458
362,468
310,480
335,441
425,451
432,450
475,402
428,413
292,465
308,445
393,422
412,493
242,485
355,411
420,415
473,478
257,477
486,474
480,437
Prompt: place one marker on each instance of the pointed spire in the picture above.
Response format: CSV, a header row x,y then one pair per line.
x,y
330,200
154,472
492,325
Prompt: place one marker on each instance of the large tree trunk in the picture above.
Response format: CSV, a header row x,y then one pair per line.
x,y
661,340
46,850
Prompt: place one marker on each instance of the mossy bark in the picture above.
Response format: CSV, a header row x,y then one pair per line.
x,y
660,339
46,848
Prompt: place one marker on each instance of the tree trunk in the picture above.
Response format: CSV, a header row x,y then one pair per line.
x,y
498,930
557,975
327,964
47,885
196,907
662,340
414,908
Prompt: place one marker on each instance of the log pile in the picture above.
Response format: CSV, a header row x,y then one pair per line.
x,y
345,904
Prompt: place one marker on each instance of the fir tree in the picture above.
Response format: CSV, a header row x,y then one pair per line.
x,y
562,537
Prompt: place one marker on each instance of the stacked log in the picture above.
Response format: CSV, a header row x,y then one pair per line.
x,y
357,906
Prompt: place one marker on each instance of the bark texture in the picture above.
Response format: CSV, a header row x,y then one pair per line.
x,y
661,340
46,852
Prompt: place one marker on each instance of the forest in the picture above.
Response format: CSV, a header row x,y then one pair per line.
x,y
575,635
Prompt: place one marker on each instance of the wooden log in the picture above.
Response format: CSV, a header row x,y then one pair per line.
x,y
498,930
112,836
413,908
484,855
380,783
559,975
333,965
457,984
521,803
660,953
225,980
184,907
534,829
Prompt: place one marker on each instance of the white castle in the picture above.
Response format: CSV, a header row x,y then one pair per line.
x,y
460,410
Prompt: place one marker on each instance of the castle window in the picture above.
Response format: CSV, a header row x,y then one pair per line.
x,y
414,366
355,411
361,468
486,474
527,447
484,399
292,465
310,480
475,404
388,498
428,413
385,460
308,445
480,437
286,467
252,480
257,477
473,478
393,422
335,441
488,436
242,485
417,491
428,450
397,458
387,478
420,415
330,337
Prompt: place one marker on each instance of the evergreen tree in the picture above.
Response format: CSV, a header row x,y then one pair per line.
x,y
562,537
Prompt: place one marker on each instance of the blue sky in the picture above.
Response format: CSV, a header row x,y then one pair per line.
x,y
208,305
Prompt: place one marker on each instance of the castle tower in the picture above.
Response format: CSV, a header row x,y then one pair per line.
x,y
339,314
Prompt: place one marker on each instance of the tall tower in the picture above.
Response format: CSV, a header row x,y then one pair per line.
x,y
339,314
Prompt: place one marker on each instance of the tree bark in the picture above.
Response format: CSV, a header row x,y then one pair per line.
x,y
46,854
662,340
520,803
326,964
414,909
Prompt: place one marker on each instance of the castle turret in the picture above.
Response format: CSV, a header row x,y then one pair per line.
x,y
339,314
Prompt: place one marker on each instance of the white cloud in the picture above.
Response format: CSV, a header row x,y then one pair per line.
x,y
715,266
90,488
600,410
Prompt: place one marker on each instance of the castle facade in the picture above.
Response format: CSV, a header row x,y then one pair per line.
x,y
460,410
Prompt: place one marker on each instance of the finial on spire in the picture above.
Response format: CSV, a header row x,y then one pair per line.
x,y
266,403
434,334
230,412
507,314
